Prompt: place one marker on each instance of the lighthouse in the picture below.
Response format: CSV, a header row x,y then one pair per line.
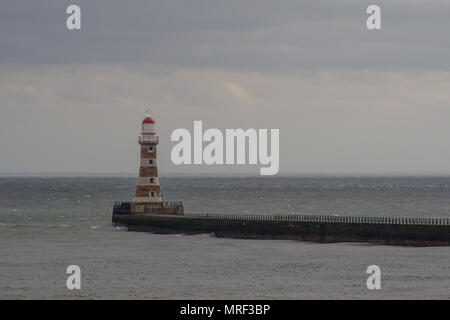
x,y
148,197
148,190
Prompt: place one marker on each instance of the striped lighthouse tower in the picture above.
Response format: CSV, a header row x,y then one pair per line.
x,y
148,197
148,190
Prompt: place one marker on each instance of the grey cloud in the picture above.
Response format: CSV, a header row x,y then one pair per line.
x,y
332,121
344,98
250,35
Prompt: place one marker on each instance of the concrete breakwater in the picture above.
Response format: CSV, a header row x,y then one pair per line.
x,y
379,230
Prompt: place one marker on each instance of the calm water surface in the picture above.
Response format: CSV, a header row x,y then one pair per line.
x,y
47,224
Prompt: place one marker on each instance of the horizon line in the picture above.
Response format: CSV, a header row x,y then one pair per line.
x,y
222,174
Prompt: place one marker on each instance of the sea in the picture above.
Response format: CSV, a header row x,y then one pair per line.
x,y
49,223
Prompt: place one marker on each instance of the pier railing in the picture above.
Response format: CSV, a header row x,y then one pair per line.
x,y
324,219
125,208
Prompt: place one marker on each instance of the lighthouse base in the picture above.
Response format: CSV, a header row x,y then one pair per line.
x,y
167,208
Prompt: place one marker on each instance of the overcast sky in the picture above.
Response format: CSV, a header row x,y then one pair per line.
x,y
346,100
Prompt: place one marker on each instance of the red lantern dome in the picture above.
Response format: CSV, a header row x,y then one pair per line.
x,y
148,119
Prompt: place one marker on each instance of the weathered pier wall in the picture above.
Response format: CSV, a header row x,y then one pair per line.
x,y
304,228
